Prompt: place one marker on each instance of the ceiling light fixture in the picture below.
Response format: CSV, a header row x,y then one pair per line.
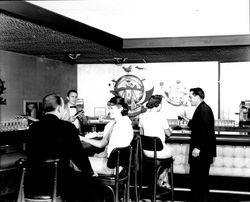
x,y
71,58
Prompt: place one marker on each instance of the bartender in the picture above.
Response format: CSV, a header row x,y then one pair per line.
x,y
74,114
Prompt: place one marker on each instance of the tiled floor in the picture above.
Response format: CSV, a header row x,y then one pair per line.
x,y
214,197
147,200
179,197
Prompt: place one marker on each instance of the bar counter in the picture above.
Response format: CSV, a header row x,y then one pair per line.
x,y
230,171
12,146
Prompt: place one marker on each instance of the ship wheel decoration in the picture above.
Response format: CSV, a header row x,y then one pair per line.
x,y
131,88
2,89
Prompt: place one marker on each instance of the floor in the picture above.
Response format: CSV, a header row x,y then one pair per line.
x,y
179,197
214,197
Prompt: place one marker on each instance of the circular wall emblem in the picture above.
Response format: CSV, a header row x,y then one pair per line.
x,y
131,89
176,94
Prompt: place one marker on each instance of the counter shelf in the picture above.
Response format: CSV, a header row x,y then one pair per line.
x,y
232,128
223,130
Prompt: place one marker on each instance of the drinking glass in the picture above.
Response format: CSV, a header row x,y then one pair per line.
x,y
79,104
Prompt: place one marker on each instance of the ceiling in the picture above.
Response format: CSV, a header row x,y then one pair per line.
x,y
129,19
32,30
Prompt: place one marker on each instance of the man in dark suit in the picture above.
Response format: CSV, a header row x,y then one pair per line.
x,y
51,137
202,145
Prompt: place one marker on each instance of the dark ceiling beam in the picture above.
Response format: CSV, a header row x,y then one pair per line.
x,y
58,22
178,54
202,41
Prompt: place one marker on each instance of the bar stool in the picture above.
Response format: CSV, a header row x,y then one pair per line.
x,y
154,144
136,167
120,181
23,196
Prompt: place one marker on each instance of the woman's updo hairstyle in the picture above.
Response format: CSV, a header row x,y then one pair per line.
x,y
117,100
154,101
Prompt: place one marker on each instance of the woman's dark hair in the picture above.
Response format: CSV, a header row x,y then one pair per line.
x,y
154,101
117,100
50,102
198,91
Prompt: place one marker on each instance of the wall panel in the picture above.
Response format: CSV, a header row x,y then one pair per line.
x,y
30,78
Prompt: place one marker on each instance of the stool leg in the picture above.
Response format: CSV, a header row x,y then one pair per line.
x,y
21,188
155,172
55,184
155,182
135,178
172,181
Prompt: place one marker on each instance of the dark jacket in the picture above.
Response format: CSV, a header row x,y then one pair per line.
x,y
54,138
202,132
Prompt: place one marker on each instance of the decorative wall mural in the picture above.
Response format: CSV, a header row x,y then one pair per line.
x,y
156,78
176,94
131,88
130,68
2,89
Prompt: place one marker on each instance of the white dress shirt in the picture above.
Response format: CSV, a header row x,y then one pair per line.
x,y
72,112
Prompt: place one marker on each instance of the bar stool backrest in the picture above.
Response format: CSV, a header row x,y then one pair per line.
x,y
34,186
151,143
120,156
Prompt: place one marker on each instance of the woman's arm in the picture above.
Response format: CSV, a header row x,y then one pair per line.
x,y
166,127
141,131
105,140
97,143
168,132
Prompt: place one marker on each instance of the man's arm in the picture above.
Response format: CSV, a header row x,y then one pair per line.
x,y
77,152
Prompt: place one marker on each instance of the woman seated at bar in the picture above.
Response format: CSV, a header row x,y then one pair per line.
x,y
152,123
117,133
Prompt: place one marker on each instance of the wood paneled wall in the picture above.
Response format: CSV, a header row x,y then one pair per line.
x,y
30,78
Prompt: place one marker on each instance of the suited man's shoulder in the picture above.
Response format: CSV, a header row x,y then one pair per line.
x,y
204,105
66,124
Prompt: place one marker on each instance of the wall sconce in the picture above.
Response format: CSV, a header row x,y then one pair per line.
x,y
71,58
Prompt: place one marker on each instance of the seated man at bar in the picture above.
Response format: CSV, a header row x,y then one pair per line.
x,y
117,133
51,138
